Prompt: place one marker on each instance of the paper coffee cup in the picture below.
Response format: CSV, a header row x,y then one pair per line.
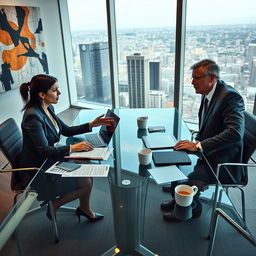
x,y
184,194
142,122
145,156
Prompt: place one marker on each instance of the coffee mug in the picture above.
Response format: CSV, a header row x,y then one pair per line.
x,y
145,156
142,122
184,194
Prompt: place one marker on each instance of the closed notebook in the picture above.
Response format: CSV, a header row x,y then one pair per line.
x,y
171,157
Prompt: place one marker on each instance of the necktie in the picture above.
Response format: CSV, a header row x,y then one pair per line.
x,y
204,110
205,107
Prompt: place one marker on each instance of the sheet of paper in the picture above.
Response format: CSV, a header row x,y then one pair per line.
x,y
96,153
167,174
89,170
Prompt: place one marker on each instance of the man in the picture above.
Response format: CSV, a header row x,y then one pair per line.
x,y
221,130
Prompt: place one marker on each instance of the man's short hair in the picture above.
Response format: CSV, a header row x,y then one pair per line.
x,y
211,68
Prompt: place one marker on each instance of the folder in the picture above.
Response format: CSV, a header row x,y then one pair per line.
x,y
171,158
159,141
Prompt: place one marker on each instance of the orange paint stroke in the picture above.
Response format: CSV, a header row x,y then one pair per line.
x,y
11,56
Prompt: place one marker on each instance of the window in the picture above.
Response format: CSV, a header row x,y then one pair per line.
x,y
88,24
225,32
146,52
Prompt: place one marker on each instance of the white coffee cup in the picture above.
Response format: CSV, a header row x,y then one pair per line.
x,y
142,122
184,194
145,156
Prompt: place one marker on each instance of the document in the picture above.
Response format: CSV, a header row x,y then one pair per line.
x,y
167,174
95,154
89,170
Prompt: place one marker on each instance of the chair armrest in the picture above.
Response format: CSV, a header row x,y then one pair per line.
x,y
19,169
233,164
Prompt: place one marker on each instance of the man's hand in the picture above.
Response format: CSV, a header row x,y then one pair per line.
x,y
186,145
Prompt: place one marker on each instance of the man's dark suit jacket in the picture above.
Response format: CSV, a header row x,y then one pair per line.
x,y
222,130
39,138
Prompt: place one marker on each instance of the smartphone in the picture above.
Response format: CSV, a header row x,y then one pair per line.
x,y
67,166
159,128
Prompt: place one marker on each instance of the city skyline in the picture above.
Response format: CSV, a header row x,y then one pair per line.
x,y
230,46
128,13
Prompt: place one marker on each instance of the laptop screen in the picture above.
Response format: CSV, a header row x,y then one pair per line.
x,y
106,132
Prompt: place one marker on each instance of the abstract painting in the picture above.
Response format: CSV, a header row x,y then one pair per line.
x,y
22,47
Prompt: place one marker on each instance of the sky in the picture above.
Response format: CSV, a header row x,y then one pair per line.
x,y
91,14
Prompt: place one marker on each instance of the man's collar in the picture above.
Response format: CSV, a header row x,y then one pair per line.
x,y
210,94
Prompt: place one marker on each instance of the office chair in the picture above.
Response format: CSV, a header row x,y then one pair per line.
x,y
249,146
11,146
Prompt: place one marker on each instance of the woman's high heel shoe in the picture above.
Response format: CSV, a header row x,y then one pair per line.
x,y
79,213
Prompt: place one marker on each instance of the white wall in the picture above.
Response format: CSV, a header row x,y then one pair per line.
x,y
10,102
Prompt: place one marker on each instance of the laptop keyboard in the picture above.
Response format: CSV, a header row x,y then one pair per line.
x,y
94,139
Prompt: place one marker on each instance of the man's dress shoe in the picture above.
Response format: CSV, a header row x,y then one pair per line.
x,y
167,188
171,217
196,212
168,205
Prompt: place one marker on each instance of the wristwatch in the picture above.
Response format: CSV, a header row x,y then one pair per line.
x,y
198,145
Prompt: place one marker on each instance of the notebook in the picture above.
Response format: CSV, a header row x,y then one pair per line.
x,y
159,141
171,158
103,137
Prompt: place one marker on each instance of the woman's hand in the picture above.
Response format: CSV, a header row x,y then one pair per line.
x,y
81,146
100,120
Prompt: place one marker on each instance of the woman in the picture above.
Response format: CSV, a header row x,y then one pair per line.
x,y
41,130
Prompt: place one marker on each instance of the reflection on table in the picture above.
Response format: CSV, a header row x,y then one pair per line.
x,y
128,180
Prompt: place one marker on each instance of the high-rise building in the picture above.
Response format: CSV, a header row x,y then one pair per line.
x,y
252,80
94,59
156,99
137,70
251,53
154,75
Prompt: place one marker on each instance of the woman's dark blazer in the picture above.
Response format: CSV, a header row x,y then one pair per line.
x,y
40,137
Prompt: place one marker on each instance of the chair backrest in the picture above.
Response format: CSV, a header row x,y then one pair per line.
x,y
11,146
249,140
11,141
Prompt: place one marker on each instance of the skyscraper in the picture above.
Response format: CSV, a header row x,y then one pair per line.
x,y
156,99
154,75
94,59
137,69
252,79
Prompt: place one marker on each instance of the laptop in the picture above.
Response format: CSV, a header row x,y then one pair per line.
x,y
159,141
103,137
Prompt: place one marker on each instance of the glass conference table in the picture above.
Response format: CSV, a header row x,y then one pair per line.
x,y
128,181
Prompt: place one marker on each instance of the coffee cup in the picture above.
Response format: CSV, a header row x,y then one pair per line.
x,y
145,156
142,122
184,194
